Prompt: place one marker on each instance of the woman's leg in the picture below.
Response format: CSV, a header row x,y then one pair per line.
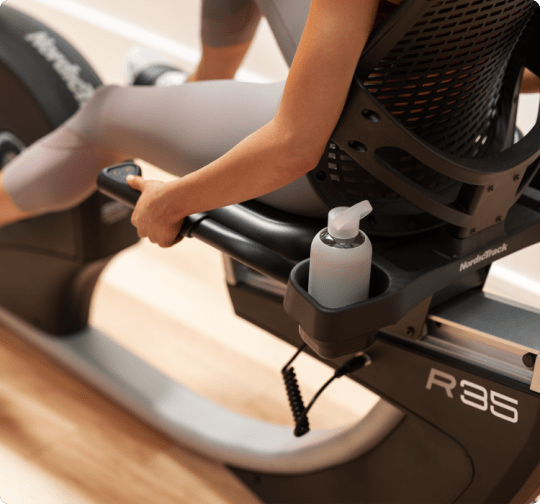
x,y
227,29
9,212
178,128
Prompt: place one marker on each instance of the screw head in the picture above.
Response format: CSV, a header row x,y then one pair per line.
x,y
498,219
410,331
491,188
473,230
516,177
529,359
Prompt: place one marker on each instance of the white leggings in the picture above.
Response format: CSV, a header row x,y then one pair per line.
x,y
179,129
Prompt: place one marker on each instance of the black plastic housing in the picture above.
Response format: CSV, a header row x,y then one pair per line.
x,y
402,276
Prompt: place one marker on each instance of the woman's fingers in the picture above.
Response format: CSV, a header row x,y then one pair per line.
x,y
135,182
151,215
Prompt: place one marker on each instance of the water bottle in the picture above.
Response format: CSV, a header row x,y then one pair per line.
x,y
340,264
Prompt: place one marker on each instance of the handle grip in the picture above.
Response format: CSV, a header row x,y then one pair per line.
x,y
112,182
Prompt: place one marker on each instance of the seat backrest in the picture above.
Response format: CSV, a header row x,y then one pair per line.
x,y
443,77
439,67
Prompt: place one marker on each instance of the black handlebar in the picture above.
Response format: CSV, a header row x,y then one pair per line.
x,y
112,182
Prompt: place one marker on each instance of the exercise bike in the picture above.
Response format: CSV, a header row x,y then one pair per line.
x,y
458,419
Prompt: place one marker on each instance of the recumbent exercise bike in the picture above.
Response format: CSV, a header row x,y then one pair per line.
x,y
428,136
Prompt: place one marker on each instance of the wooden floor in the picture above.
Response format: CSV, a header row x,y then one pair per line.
x,y
63,443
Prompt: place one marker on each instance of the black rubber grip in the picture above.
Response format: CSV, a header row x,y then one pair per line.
x,y
112,182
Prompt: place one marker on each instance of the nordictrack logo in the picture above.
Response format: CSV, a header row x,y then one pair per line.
x,y
486,255
69,72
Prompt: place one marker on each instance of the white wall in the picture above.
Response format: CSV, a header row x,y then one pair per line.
x,y
103,30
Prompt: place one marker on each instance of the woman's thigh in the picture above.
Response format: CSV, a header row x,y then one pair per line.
x,y
183,128
178,128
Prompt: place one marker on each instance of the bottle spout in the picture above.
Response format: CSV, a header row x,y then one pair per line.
x,y
344,222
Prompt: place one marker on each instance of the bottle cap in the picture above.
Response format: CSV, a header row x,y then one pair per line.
x,y
344,222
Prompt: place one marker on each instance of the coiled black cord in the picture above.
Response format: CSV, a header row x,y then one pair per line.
x,y
295,397
298,409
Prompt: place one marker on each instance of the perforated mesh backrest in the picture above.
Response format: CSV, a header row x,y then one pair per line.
x,y
443,79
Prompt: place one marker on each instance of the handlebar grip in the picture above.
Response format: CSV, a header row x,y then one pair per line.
x,y
112,182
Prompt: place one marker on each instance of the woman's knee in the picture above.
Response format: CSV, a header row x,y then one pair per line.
x,y
90,120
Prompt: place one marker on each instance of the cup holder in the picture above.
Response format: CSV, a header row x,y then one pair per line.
x,y
379,282
334,332
403,275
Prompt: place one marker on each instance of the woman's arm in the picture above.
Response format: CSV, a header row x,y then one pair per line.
x,y
288,146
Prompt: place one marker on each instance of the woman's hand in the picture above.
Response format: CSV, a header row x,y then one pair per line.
x,y
154,216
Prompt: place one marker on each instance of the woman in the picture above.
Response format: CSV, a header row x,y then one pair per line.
x,y
232,141
236,141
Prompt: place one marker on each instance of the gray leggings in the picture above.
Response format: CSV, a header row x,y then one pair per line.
x,y
178,128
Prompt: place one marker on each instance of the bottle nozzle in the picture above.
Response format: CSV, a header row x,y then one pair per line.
x,y
344,222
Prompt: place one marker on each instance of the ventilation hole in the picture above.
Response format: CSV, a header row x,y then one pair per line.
x,y
371,116
357,146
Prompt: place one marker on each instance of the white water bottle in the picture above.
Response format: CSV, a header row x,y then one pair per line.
x,y
340,264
